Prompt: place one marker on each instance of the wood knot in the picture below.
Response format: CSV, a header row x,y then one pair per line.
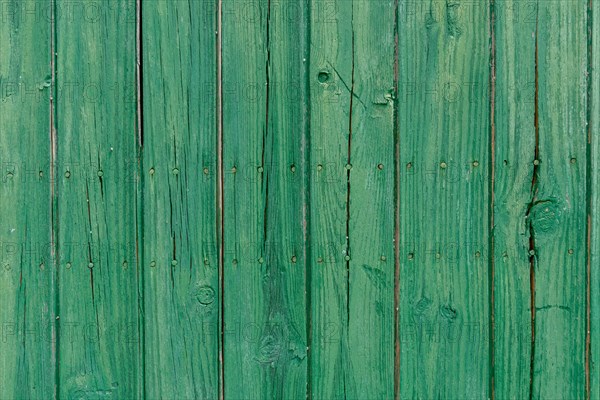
x,y
448,312
422,306
545,216
205,295
269,350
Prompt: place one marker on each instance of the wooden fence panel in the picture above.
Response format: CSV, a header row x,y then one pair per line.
x,y
323,199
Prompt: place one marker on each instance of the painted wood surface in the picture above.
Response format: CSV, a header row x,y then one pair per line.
x,y
178,246
27,262
352,199
264,283
325,199
547,124
95,152
444,130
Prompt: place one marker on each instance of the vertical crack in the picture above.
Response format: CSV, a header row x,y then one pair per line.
x,y
348,169
265,181
396,134
534,190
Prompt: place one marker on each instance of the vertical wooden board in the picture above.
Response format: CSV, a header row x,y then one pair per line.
x,y
96,161
180,259
594,209
540,219
370,200
26,258
444,126
557,212
331,42
263,94
352,204
514,111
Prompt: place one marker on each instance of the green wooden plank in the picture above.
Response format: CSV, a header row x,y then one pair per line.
x,y
370,206
540,225
513,153
444,126
352,199
180,259
263,94
330,47
594,208
557,217
96,165
26,255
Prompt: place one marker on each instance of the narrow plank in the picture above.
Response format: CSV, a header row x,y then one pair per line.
x,y
370,200
557,212
26,255
514,147
265,343
96,153
444,124
330,75
330,47
540,228
352,199
179,170
593,363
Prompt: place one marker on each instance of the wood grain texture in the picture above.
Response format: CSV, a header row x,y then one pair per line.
x,y
444,127
323,199
96,144
179,172
263,92
27,268
542,200
514,150
370,200
557,216
352,199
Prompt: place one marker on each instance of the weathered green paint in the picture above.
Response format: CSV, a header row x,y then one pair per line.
x,y
444,130
95,194
513,165
352,199
179,247
314,199
27,350
263,105
540,222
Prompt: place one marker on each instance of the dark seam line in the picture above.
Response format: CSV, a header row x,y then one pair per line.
x,y
307,200
491,189
220,194
588,184
139,200
54,193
